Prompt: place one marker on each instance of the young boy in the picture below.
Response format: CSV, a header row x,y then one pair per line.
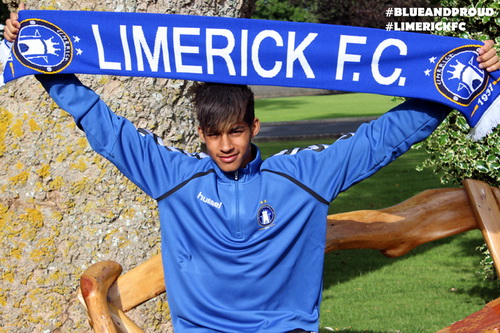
x,y
242,238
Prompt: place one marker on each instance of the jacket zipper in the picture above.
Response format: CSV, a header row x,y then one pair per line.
x,y
237,202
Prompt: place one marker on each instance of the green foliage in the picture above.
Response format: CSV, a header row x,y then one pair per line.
x,y
479,28
488,269
455,156
284,10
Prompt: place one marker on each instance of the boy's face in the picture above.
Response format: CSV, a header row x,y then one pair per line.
x,y
231,149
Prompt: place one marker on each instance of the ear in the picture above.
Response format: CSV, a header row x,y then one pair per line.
x,y
201,135
255,127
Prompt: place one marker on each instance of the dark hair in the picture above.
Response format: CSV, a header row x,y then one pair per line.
x,y
219,106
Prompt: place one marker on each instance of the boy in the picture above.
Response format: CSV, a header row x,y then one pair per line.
x,y
242,238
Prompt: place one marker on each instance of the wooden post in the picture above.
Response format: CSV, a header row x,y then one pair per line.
x,y
94,285
486,209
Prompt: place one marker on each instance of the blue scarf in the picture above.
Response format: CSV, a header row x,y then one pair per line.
x,y
244,51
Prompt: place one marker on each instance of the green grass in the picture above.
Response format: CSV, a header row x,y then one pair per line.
x,y
322,107
427,289
423,291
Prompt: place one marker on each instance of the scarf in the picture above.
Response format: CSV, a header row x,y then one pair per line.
x,y
258,52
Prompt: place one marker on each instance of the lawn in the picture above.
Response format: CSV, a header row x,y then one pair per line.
x,y
423,291
322,107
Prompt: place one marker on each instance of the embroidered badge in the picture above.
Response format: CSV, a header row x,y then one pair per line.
x,y
43,46
458,77
266,215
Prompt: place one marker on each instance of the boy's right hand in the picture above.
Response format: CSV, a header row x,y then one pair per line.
x,y
12,25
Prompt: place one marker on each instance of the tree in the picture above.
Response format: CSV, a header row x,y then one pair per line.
x,y
285,10
62,207
364,13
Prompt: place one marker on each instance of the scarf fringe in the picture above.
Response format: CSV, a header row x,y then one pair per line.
x,y
488,122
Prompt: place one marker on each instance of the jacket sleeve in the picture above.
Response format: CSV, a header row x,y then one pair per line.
x,y
149,165
374,145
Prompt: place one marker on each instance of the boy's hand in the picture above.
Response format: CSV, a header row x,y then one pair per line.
x,y
488,58
12,25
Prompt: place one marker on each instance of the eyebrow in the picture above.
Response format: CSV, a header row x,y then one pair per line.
x,y
239,127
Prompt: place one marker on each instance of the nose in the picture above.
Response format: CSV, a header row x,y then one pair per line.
x,y
226,144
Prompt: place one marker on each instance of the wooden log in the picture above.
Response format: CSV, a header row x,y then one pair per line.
x,y
485,320
94,286
138,285
123,323
428,216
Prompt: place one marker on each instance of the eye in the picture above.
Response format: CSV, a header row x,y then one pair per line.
x,y
236,131
213,134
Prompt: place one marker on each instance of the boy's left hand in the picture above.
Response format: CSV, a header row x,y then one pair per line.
x,y
488,58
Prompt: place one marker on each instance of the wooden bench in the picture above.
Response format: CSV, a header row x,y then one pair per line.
x,y
428,216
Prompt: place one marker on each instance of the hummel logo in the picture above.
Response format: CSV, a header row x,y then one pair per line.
x,y
209,201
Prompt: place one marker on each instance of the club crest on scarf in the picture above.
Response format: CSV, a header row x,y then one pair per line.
x,y
42,46
458,77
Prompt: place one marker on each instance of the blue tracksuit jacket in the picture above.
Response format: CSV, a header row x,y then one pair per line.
x,y
243,252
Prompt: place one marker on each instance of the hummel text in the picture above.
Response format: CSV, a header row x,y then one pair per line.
x,y
209,201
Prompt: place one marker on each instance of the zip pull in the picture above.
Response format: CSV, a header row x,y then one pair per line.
x,y
236,175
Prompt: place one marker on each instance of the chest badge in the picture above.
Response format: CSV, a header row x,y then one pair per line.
x,y
266,215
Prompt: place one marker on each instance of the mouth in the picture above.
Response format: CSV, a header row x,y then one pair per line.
x,y
228,159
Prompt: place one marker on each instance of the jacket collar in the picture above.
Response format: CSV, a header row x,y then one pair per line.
x,y
243,174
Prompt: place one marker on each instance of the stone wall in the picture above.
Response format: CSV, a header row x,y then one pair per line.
x,y
63,207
